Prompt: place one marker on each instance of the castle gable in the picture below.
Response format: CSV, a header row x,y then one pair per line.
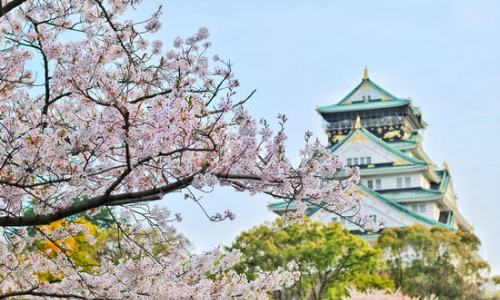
x,y
361,147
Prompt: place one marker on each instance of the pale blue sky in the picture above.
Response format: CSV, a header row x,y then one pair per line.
x,y
299,54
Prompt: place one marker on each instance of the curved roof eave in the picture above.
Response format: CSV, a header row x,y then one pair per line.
x,y
362,106
403,209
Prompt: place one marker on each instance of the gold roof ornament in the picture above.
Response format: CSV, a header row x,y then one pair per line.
x,y
399,162
357,125
366,73
445,165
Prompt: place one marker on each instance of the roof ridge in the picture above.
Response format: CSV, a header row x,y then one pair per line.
x,y
350,94
372,85
431,190
445,181
386,170
377,87
362,105
337,145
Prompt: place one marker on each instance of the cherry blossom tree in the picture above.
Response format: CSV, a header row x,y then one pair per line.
x,y
94,113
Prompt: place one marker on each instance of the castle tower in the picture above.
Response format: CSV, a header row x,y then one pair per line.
x,y
382,135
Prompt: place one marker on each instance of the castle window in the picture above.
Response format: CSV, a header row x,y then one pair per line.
x,y
362,161
368,160
408,182
422,208
334,220
364,98
346,220
349,162
355,161
378,184
414,207
369,97
399,182
370,184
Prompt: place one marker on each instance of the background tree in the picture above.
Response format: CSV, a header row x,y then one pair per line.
x,y
329,258
424,261
91,105
381,295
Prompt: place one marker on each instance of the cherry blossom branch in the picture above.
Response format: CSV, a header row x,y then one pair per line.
x,y
114,120
142,98
4,9
112,200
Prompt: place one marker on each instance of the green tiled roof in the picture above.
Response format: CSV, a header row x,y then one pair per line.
x,y
386,170
445,180
362,106
406,144
383,144
402,209
281,206
346,105
393,169
290,205
372,86
420,194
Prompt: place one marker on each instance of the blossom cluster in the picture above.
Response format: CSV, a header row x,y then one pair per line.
x,y
173,275
91,110
115,119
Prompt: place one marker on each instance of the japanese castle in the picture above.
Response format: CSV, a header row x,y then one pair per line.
x,y
382,135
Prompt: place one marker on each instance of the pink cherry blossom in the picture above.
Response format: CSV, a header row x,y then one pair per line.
x,y
111,122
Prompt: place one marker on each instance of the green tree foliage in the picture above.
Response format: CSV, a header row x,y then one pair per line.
x,y
329,258
423,261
